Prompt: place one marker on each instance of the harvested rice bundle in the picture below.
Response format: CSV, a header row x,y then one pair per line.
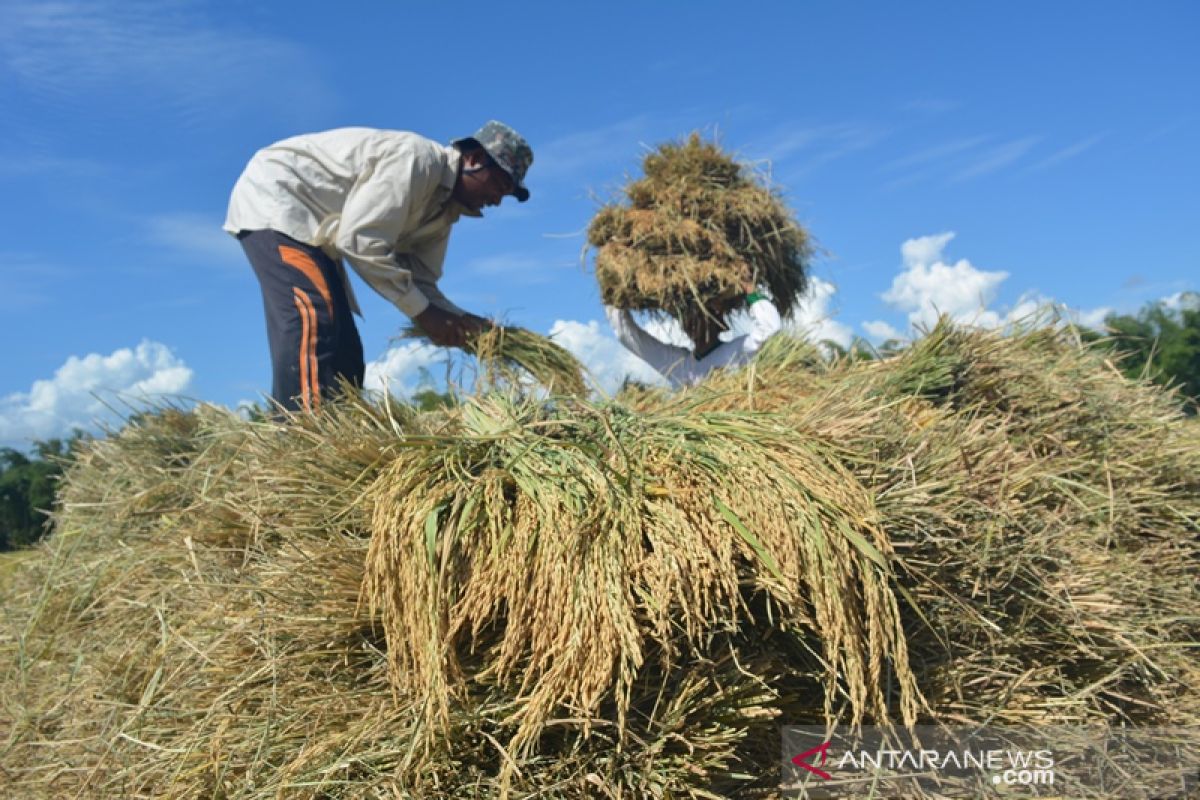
x,y
566,545
193,626
1045,510
504,352
696,229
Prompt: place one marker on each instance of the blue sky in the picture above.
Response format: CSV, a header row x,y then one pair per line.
x,y
948,154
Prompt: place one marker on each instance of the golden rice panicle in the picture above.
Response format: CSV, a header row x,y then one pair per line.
x,y
506,351
564,545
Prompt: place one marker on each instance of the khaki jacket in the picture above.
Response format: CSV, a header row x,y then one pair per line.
x,y
380,199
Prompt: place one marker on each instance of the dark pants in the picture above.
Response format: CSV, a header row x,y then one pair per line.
x,y
310,328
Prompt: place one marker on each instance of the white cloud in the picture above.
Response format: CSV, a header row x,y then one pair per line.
x,y
823,143
880,331
924,250
1181,301
1091,318
402,369
1030,305
936,153
606,359
813,317
1036,308
928,286
83,388
245,407
197,237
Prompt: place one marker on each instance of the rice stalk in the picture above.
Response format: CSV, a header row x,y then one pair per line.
x,y
507,353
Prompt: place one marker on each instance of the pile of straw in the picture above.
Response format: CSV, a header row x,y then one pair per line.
x,y
625,599
696,228
1046,512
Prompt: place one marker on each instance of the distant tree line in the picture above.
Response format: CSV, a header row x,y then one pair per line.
x,y
28,482
1161,342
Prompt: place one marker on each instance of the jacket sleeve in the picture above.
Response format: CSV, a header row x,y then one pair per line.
x,y
764,323
386,202
431,256
663,357
436,298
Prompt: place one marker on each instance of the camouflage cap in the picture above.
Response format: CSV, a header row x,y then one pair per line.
x,y
508,149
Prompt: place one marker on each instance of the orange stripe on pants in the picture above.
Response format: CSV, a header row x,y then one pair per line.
x,y
303,262
310,387
314,376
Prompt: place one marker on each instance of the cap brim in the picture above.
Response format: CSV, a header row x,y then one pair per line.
x,y
520,192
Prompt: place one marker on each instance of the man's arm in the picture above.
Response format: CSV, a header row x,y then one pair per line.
x,y
764,323
436,298
381,206
663,357
445,322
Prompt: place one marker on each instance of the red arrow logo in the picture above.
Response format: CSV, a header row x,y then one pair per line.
x,y
823,749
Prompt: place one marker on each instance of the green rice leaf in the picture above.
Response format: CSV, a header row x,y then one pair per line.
x,y
866,548
750,539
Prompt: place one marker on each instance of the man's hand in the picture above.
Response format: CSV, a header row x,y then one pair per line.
x,y
476,325
446,329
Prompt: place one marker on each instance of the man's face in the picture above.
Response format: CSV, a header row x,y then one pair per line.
x,y
482,182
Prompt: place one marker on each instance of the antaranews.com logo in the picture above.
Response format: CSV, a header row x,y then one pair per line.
x,y
991,762
1008,767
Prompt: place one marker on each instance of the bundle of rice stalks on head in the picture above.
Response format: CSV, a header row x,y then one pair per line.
x,y
506,354
696,229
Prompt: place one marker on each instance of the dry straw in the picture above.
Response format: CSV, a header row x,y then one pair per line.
x,y
693,231
578,600
564,547
508,354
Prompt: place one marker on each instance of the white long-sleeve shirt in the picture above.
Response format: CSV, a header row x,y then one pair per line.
x,y
678,364
381,199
